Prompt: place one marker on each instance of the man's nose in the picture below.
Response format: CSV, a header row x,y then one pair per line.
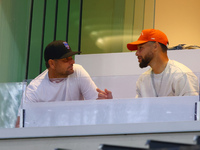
x,y
136,53
72,61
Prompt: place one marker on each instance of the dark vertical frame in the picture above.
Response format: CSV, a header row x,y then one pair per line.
x,y
56,16
80,25
29,39
43,30
67,26
195,111
23,117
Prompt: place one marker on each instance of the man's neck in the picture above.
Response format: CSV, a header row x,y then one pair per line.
x,y
56,80
54,77
159,65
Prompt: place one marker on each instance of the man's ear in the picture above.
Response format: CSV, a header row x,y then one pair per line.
x,y
51,63
156,46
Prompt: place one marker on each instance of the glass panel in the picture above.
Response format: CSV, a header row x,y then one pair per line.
x,y
107,26
59,109
118,111
10,99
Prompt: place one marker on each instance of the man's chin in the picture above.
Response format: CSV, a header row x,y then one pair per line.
x,y
143,65
71,71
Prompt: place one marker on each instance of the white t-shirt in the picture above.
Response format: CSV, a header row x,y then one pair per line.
x,y
77,86
175,80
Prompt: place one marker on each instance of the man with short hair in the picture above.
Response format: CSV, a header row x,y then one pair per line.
x,y
62,80
165,77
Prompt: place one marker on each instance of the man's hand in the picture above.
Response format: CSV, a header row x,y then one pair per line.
x,y
17,122
104,94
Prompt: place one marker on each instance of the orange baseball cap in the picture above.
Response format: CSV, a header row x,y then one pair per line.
x,y
149,35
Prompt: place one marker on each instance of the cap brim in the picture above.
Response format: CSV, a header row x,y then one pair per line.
x,y
70,54
133,45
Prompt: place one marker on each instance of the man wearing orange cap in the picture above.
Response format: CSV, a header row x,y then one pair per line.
x,y
165,77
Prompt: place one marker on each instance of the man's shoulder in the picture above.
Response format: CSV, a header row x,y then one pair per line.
x,y
178,67
77,67
78,70
42,75
38,80
145,75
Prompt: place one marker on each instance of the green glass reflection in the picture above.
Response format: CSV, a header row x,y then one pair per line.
x,y
107,26
14,26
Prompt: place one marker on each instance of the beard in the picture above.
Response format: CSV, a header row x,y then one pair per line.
x,y
63,73
146,60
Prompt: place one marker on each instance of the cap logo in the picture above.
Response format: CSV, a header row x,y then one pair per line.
x,y
153,38
66,45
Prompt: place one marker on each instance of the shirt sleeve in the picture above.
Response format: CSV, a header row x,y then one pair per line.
x,y
187,85
138,93
87,85
30,95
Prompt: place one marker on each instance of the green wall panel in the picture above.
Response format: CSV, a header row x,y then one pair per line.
x,y
49,26
14,22
62,20
102,22
107,26
73,35
36,39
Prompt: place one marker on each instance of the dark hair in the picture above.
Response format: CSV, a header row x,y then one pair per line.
x,y
47,64
164,47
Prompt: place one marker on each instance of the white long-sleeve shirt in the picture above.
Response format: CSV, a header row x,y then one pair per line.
x,y
175,80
